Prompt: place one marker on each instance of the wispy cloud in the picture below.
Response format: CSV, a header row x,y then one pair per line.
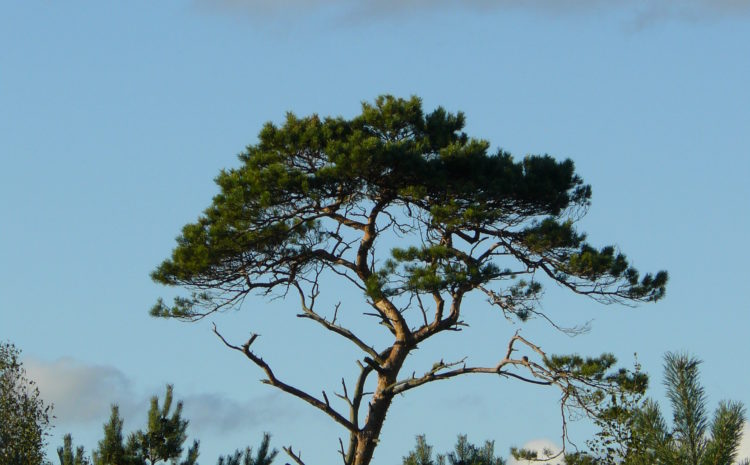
x,y
642,11
83,393
80,392
218,413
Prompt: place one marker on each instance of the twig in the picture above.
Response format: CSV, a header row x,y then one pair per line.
x,y
296,457
277,383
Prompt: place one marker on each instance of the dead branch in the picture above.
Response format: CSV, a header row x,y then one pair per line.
x,y
275,382
309,313
296,457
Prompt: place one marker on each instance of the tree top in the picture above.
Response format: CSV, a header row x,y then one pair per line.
x,y
315,193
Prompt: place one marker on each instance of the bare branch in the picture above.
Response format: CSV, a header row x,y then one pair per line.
x,y
309,313
340,330
341,219
296,457
374,365
345,395
335,313
274,381
341,451
540,375
356,402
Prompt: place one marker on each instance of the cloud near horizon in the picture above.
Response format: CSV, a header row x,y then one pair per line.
x,y
743,452
83,394
539,445
642,11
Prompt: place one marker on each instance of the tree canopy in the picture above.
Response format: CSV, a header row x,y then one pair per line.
x,y
407,208
24,416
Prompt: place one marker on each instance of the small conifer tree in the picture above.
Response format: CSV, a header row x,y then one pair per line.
x,y
264,456
111,449
464,453
161,442
68,456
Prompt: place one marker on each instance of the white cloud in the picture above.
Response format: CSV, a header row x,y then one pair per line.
x,y
744,450
83,394
539,445
80,393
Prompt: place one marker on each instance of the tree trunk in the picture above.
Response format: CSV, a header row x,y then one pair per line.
x,y
368,436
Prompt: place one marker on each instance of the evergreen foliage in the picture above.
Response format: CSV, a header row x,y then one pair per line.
x,y
111,450
161,442
70,457
264,456
464,453
165,434
415,215
639,435
422,454
24,416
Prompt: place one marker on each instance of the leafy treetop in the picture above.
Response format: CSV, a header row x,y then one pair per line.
x,y
24,416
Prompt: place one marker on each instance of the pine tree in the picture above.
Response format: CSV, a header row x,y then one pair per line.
x,y
466,453
636,433
693,438
111,450
161,441
165,434
264,456
415,216
68,456
422,453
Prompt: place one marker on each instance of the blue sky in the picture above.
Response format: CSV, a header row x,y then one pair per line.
x,y
116,116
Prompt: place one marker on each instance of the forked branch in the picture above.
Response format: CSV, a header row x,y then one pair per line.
x,y
274,381
539,374
340,330
296,457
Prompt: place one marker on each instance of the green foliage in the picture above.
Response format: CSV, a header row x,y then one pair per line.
x,y
545,455
161,441
464,453
264,456
422,453
693,439
634,432
24,416
611,398
278,217
111,450
68,456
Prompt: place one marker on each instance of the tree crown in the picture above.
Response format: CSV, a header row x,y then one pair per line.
x,y
312,188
